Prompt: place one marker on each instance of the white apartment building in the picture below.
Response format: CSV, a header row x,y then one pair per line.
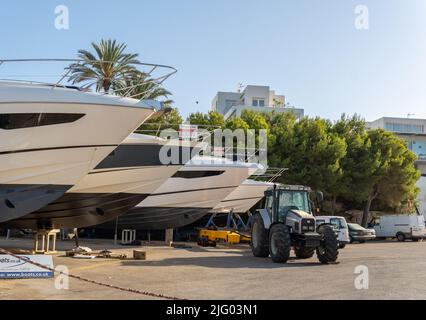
x,y
257,98
414,132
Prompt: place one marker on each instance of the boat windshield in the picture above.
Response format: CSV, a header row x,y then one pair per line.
x,y
293,200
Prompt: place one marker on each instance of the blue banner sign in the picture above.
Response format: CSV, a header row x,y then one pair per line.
x,y
15,268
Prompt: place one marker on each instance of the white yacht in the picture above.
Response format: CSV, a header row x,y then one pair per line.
x,y
190,194
52,136
120,182
245,197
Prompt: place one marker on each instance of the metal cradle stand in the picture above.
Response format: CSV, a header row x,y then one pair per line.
x,y
45,241
128,237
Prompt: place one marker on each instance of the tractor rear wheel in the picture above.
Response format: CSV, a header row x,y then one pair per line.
x,y
280,243
328,251
259,238
304,252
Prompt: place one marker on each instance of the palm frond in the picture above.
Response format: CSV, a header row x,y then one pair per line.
x,y
107,65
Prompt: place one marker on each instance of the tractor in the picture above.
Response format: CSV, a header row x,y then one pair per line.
x,y
287,222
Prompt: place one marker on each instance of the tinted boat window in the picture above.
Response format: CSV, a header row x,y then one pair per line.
x,y
197,174
56,118
27,120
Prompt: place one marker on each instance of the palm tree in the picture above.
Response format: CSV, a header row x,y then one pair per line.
x,y
139,85
107,66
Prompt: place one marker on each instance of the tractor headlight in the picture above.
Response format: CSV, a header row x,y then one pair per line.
x,y
308,225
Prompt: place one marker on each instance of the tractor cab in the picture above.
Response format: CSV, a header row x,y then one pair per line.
x,y
281,200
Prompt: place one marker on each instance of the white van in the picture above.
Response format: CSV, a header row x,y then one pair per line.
x,y
401,227
340,226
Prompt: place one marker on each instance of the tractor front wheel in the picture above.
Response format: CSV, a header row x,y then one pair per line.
x,y
328,251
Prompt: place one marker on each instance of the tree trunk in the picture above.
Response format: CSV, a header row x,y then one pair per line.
x,y
366,212
333,204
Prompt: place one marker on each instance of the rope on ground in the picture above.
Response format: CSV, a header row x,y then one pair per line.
x,y
145,293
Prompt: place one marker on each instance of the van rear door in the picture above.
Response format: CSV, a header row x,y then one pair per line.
x,y
418,227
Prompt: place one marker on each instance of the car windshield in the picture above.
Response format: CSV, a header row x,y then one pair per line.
x,y
339,223
354,226
319,222
293,200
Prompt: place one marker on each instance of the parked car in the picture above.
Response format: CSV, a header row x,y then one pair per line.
x,y
340,226
401,227
360,234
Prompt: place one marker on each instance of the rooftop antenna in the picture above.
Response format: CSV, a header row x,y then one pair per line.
x,y
410,115
240,87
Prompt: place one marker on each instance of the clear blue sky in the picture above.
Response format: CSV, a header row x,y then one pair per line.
x,y
307,49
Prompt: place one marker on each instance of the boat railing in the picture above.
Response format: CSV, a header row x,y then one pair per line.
x,y
176,131
137,81
270,175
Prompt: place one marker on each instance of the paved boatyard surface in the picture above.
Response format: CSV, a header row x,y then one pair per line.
x,y
396,271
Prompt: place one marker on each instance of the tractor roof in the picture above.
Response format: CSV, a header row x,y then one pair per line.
x,y
292,187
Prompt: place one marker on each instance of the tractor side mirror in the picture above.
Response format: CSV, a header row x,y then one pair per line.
x,y
320,196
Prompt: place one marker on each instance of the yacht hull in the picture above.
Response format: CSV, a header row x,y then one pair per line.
x,y
42,160
80,208
183,199
25,198
120,182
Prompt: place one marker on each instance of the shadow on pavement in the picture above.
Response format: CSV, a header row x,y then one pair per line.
x,y
243,261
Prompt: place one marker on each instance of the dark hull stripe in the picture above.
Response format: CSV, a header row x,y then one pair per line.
x,y
135,168
80,211
181,217
168,223
116,170
88,202
152,213
143,154
57,148
192,190
240,199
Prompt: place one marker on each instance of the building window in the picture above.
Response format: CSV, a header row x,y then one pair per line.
x,y
258,102
419,148
27,120
404,128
